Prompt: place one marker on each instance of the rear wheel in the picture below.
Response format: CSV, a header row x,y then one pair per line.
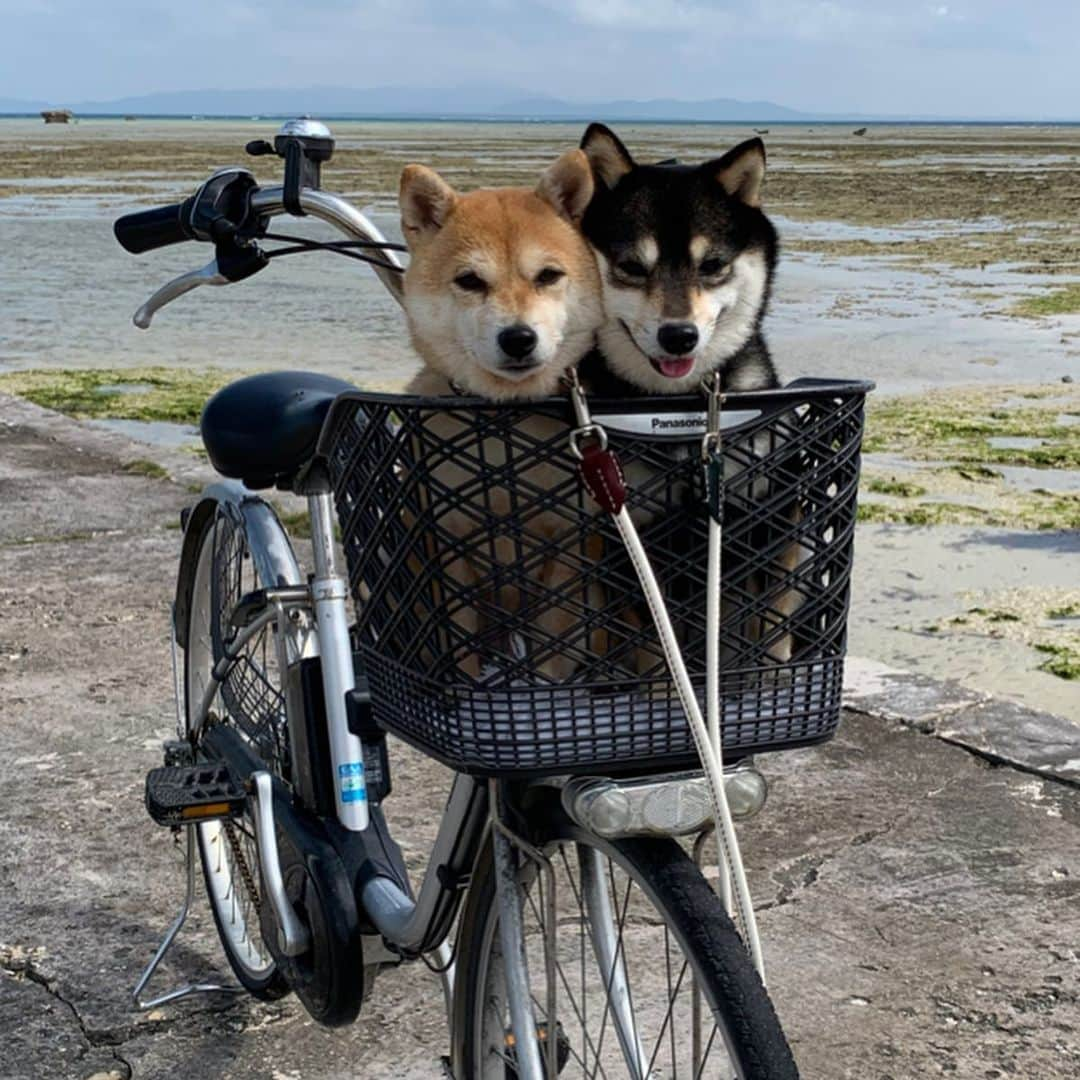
x,y
252,702
652,978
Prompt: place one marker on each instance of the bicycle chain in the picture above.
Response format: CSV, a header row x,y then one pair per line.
x,y
245,872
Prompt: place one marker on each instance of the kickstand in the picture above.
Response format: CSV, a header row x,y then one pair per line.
x,y
166,944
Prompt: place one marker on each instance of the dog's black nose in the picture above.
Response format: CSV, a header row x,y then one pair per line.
x,y
677,338
517,341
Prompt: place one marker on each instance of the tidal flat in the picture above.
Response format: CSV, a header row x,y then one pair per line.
x,y
912,255
942,262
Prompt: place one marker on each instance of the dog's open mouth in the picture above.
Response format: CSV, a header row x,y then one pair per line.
x,y
673,367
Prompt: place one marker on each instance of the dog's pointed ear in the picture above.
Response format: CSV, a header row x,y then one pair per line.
x,y
741,171
426,200
567,184
610,160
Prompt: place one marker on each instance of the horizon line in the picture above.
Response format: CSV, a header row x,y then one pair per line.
x,y
482,117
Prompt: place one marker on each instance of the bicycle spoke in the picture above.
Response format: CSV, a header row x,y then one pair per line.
x,y
667,1017
705,1057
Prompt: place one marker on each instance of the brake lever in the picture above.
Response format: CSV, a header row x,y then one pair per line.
x,y
208,275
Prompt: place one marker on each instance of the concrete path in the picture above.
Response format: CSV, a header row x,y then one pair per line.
x,y
917,879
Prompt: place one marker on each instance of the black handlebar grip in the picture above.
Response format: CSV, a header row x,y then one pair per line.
x,y
150,229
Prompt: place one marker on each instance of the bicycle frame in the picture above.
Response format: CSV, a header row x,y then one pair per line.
x,y
310,621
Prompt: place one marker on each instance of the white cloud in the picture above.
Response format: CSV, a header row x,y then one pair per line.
x,y
887,56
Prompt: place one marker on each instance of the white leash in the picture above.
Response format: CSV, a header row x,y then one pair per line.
x,y
603,478
713,464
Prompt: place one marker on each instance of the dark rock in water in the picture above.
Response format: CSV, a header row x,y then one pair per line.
x,y
1066,378
761,131
859,131
56,116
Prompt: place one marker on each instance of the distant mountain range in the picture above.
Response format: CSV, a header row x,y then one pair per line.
x,y
482,101
389,101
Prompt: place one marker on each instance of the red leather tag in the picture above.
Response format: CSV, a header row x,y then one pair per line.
x,y
603,478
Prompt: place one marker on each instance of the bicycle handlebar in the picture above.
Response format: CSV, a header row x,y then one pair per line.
x,y
166,225
152,229
340,213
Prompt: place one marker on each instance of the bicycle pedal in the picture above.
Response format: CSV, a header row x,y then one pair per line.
x,y
182,794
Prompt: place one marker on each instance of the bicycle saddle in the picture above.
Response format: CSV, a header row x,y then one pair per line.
x,y
263,428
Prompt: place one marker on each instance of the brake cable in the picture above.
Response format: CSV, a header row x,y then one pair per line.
x,y
338,247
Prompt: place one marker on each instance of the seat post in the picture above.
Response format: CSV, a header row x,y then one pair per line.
x,y
329,591
320,510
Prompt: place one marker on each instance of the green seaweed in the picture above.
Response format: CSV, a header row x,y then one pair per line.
x,y
1062,660
142,467
1062,301
891,486
956,425
1031,511
935,513
174,395
974,472
1066,611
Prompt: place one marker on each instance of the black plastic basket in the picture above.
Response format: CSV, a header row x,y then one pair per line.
x,y
500,620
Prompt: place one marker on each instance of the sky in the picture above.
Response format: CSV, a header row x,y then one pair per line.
x,y
962,58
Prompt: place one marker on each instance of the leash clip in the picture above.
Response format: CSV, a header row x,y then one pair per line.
x,y
711,458
586,429
710,442
600,469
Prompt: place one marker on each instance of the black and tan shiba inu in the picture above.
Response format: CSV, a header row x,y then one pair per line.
x,y
686,259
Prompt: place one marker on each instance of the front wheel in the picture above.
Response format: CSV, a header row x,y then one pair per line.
x,y
652,979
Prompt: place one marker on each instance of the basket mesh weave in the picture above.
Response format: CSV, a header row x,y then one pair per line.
x,y
500,620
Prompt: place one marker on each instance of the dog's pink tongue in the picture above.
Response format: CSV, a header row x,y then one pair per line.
x,y
676,369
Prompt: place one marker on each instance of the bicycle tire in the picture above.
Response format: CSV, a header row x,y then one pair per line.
x,y
688,907
234,901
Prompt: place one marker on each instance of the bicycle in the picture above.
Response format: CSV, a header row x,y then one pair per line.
x,y
567,866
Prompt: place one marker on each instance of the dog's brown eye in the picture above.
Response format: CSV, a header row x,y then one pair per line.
x,y
470,282
549,275
712,267
632,268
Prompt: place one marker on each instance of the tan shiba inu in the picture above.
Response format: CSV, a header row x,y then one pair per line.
x,y
502,295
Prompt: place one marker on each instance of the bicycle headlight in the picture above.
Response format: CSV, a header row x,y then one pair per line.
x,y
668,806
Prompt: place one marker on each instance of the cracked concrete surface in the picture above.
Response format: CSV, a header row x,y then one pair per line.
x,y
919,899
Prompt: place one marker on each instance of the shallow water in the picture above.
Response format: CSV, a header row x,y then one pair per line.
x,y
67,290
153,432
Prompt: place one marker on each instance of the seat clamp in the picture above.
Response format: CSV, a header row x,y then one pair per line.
x,y
329,589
